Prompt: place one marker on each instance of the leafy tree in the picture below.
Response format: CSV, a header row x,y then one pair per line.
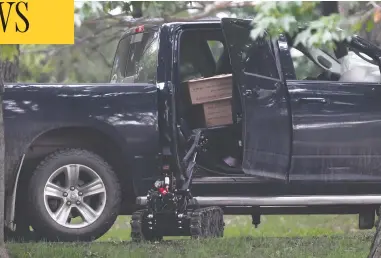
x,y
317,23
8,71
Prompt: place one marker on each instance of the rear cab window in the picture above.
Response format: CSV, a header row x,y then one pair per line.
x,y
217,49
136,58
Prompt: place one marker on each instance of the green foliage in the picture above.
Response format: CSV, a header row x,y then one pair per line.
x,y
323,32
34,65
353,245
302,21
369,25
8,52
281,17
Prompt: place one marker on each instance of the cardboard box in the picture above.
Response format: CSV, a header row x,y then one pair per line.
x,y
209,89
216,113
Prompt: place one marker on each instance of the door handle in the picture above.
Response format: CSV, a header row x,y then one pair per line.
x,y
313,100
249,93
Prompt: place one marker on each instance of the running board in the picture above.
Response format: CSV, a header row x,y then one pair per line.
x,y
298,200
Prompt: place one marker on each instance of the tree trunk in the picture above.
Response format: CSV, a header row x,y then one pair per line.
x,y
329,7
10,70
3,250
8,73
137,11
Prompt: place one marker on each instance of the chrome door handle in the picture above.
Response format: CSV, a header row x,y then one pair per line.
x,y
248,93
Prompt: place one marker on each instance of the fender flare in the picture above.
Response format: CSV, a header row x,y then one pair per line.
x,y
10,200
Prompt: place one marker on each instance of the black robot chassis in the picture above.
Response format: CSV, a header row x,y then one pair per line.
x,y
172,211
200,223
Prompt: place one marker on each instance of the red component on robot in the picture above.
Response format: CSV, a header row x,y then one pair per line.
x,y
163,190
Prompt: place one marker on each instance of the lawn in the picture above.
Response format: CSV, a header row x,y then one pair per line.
x,y
277,236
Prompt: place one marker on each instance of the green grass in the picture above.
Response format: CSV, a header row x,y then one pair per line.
x,y
277,236
271,226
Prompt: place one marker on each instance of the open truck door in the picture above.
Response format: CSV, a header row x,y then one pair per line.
x,y
263,98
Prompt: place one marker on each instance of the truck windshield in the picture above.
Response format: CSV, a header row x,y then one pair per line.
x,y
136,59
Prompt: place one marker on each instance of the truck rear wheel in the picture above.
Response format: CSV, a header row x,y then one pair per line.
x,y
74,195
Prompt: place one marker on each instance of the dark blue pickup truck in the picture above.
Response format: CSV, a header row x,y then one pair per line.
x,y
305,135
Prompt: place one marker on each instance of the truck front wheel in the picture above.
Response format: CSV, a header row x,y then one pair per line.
x,y
74,195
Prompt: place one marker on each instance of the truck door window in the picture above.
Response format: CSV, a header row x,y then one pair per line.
x,y
263,60
136,59
196,58
319,64
305,69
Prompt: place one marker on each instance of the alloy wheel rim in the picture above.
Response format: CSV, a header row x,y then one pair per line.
x,y
74,196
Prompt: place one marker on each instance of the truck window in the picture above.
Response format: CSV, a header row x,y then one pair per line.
x,y
319,64
217,48
202,54
260,58
304,67
136,59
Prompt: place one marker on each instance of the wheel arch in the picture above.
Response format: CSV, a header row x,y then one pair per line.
x,y
69,136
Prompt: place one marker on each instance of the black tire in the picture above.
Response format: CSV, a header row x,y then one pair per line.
x,y
44,225
138,232
207,222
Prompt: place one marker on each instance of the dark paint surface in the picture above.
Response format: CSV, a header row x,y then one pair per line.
x,y
336,131
126,113
336,125
266,119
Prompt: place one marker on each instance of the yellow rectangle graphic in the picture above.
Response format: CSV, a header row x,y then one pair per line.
x,y
37,22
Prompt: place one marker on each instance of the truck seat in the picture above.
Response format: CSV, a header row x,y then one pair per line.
x,y
355,69
361,74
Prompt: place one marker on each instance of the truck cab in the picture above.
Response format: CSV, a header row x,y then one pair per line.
x,y
303,136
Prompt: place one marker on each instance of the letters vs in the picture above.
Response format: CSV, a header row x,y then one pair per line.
x,y
14,9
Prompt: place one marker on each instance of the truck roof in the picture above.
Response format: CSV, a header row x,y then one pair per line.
x,y
154,24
